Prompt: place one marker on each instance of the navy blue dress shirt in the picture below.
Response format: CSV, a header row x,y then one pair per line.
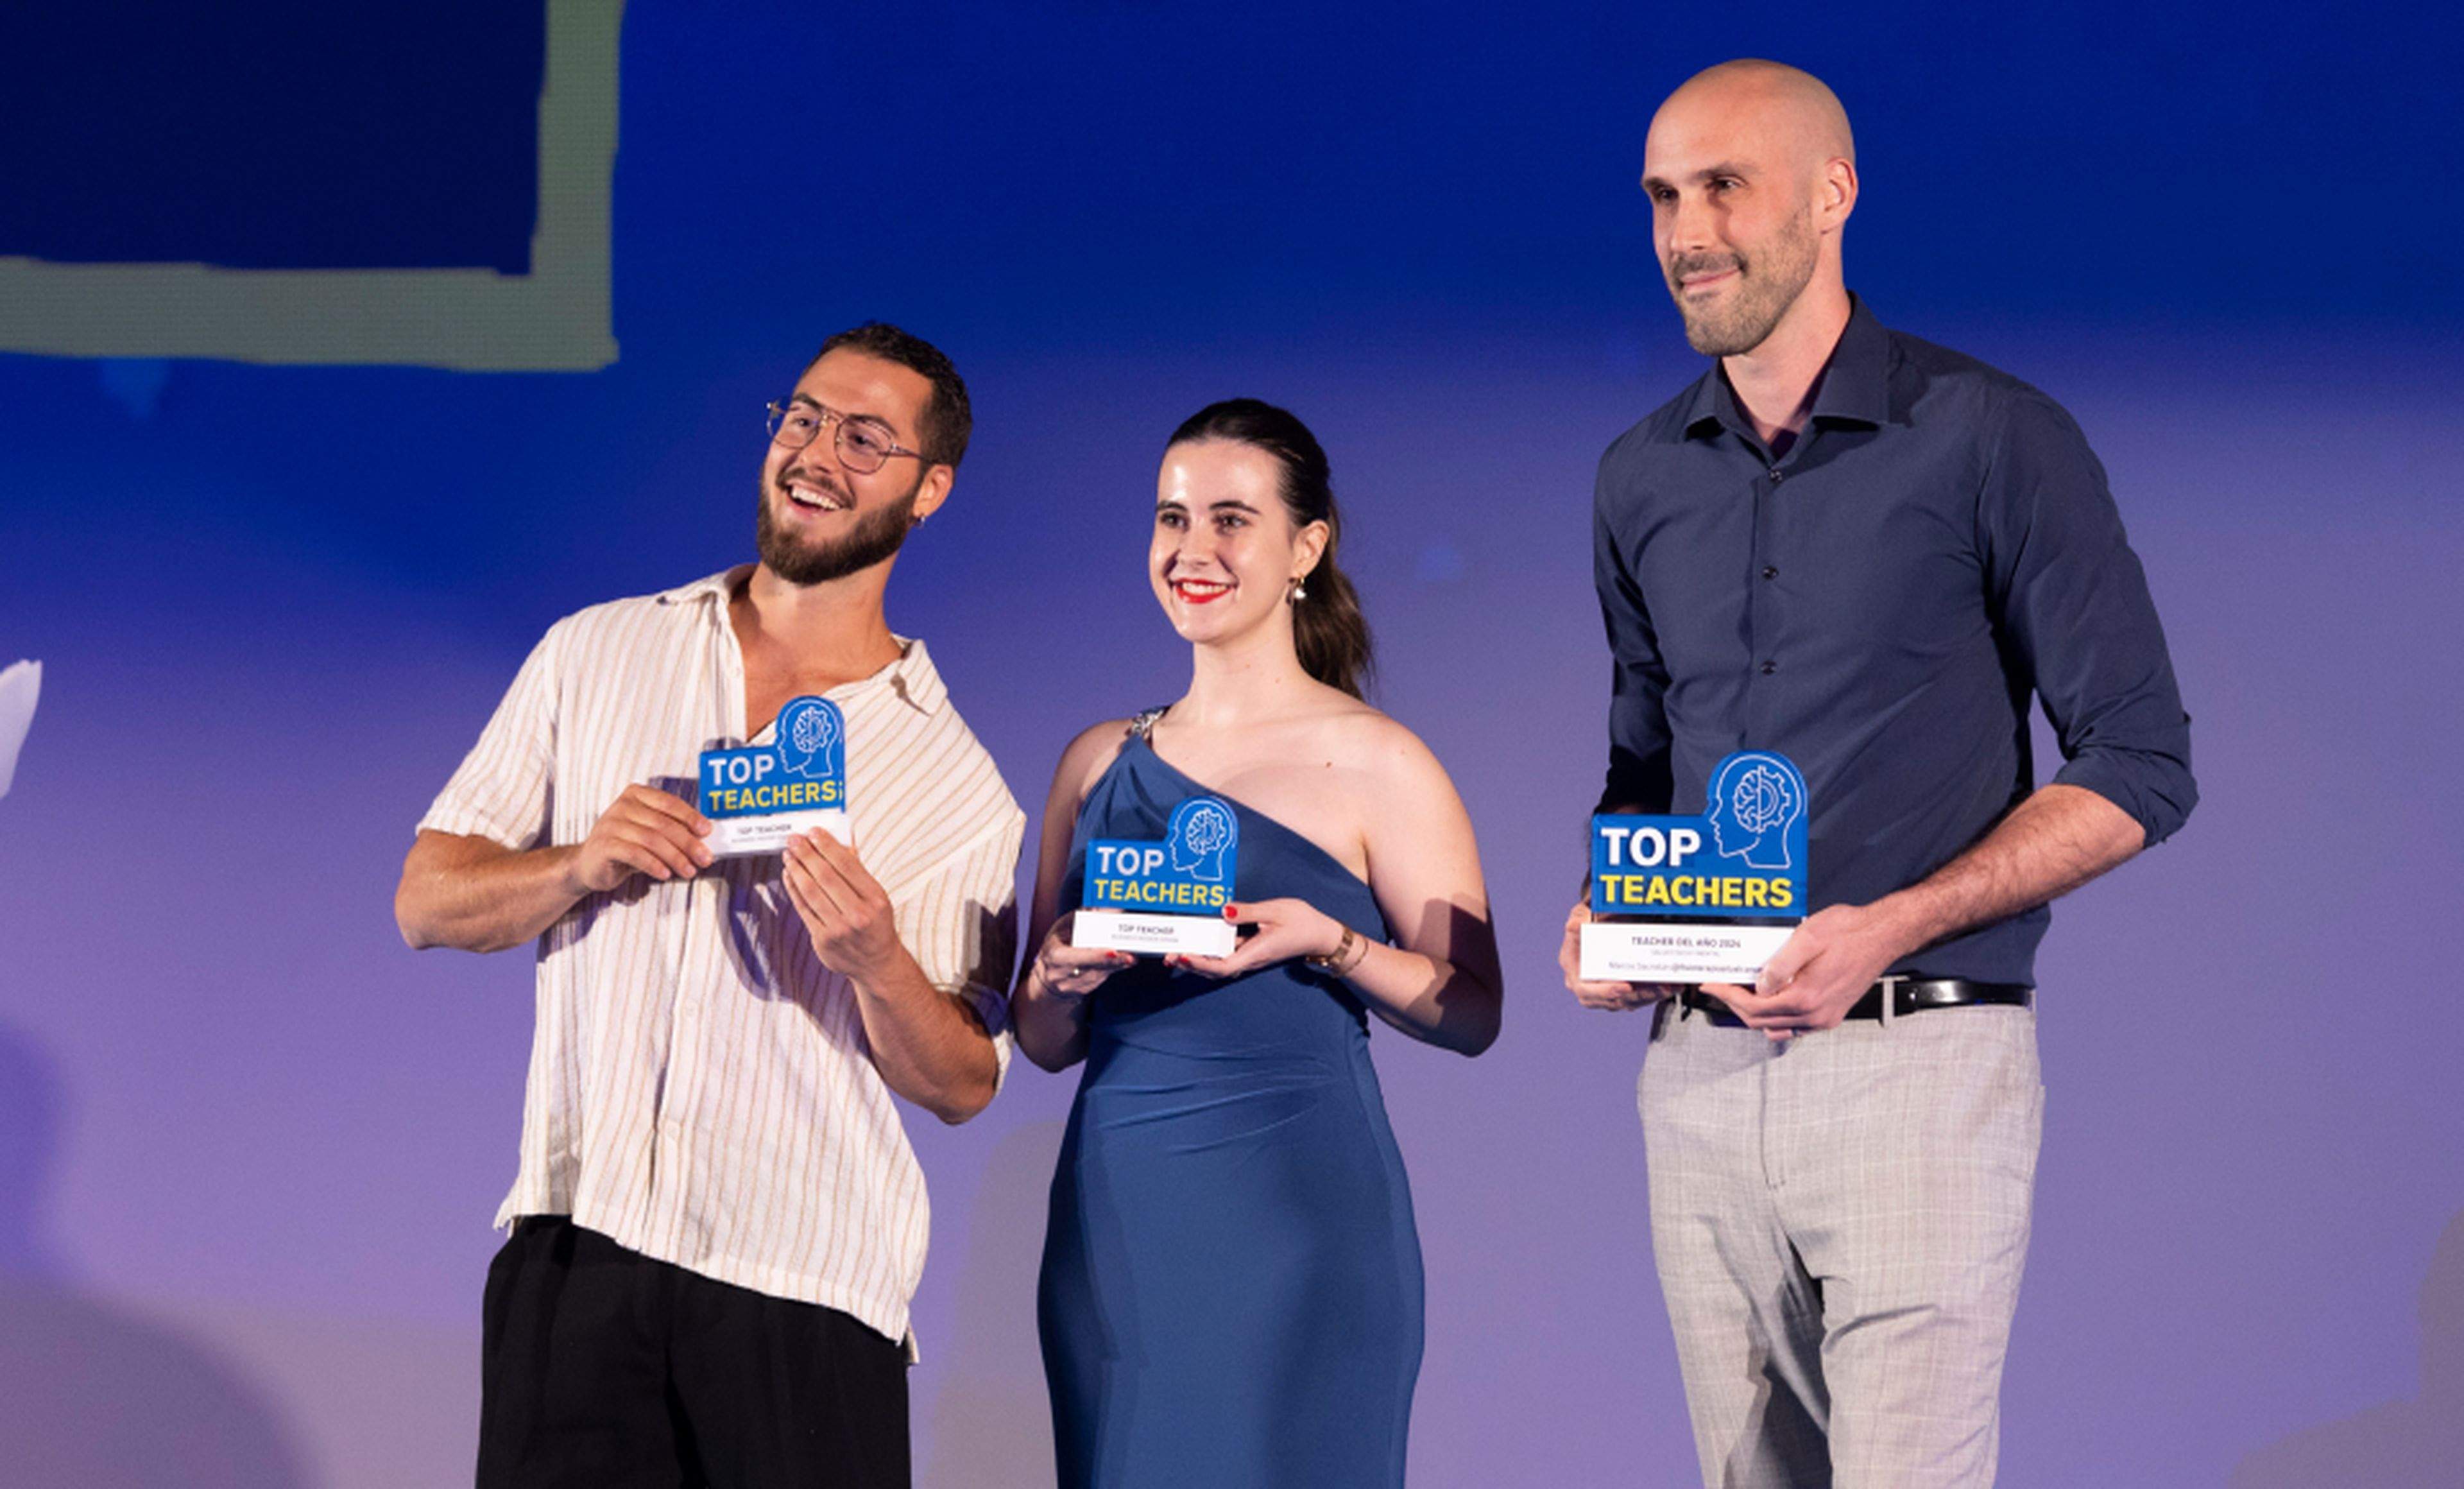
x,y
1877,604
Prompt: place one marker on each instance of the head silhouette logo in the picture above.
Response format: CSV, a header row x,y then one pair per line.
x,y
1201,838
1758,809
808,731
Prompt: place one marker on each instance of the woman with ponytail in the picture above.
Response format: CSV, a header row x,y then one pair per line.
x,y
1231,1286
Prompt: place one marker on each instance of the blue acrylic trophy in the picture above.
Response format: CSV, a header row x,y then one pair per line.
x,y
759,797
1701,900
1163,897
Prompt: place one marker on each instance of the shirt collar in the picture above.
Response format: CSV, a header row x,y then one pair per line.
x,y
718,586
911,678
1856,385
914,678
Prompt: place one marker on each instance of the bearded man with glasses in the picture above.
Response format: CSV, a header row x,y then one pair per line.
x,y
718,1224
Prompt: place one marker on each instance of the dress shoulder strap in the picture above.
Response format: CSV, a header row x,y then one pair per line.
x,y
1142,727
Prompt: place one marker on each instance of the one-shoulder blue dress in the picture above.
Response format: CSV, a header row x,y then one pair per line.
x,y
1231,1288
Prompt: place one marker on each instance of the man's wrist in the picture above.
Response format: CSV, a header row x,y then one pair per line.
x,y
1899,922
884,972
564,863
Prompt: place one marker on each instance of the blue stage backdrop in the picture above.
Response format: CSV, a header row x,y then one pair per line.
x,y
250,1146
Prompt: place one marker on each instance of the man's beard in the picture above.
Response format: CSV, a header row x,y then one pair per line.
x,y
1767,285
873,539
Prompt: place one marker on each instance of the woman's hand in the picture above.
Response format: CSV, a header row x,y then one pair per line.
x,y
1284,929
1071,972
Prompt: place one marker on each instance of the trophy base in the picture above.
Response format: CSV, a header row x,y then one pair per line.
x,y
1152,935
1678,951
747,837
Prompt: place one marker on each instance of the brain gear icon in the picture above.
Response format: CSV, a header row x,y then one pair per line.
x,y
1208,830
1762,799
812,732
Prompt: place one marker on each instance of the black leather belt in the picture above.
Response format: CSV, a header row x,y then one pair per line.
x,y
1907,994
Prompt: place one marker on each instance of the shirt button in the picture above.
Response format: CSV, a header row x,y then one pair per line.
x,y
1769,572
1776,473
1768,668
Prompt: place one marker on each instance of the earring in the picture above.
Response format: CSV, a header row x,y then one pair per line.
x,y
1299,592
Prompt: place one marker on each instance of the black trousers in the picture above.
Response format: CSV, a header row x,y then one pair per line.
x,y
602,1368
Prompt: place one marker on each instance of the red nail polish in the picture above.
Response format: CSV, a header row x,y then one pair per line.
x,y
1231,914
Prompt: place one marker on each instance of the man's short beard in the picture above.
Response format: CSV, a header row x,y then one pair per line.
x,y
1781,268
875,538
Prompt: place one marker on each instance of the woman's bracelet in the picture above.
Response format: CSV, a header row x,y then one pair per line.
x,y
1344,958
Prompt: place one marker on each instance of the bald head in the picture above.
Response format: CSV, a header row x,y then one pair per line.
x,y
1795,106
1751,172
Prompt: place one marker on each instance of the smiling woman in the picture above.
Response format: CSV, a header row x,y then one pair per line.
x,y
1247,458
1231,1284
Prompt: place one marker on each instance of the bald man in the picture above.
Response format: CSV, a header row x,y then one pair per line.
x,y
1865,554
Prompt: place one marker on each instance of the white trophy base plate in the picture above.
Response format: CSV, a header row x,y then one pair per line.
x,y
1152,935
746,837
1674,951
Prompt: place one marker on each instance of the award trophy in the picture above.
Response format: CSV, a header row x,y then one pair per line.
x,y
1156,898
761,795
1701,900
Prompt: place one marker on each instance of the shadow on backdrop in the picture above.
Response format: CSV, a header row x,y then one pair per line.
x,y
2416,1444
30,1123
91,1394
992,1422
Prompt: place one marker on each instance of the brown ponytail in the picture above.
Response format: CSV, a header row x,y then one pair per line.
x,y
1327,629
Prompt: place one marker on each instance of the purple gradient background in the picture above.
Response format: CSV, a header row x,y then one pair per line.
x,y
250,1146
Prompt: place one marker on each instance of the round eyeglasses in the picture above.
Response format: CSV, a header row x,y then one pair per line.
x,y
864,445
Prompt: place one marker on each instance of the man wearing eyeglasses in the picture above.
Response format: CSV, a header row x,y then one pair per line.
x,y
718,1224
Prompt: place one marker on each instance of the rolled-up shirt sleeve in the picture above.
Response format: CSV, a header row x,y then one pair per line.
x,y
501,791
2074,610
960,924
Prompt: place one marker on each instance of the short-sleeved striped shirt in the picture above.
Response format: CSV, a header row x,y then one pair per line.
x,y
700,1089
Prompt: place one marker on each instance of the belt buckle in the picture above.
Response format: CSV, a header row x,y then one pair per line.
x,y
1888,986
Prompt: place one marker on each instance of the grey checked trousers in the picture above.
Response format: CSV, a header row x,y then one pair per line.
x,y
1840,1222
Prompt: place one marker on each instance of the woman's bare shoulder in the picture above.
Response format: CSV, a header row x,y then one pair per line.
x,y
1086,757
1363,739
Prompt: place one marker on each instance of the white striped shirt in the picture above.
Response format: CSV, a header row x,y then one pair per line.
x,y
700,1088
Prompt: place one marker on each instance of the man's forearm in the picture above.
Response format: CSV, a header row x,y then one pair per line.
x,y
927,1044
2058,839
475,894
2051,843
